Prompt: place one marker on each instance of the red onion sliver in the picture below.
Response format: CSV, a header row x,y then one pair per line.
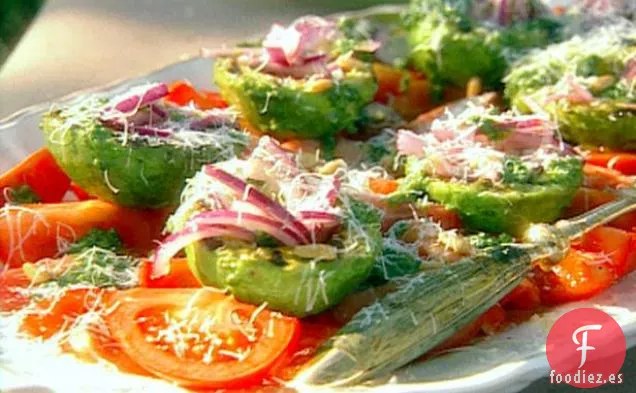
x,y
151,131
409,143
254,196
251,222
152,94
177,241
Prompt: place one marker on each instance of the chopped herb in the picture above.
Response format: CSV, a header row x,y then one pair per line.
x,y
103,239
99,268
21,195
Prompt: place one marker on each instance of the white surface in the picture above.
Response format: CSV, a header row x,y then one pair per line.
x,y
504,363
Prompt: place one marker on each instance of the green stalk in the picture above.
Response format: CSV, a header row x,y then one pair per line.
x,y
431,307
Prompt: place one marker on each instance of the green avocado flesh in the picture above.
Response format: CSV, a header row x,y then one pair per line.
x,y
292,285
136,173
508,208
597,63
285,281
450,46
287,108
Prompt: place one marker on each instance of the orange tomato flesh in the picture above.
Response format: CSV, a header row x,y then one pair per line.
x,y
29,233
40,172
383,186
180,276
624,162
183,335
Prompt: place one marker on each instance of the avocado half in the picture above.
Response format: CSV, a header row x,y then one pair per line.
x,y
451,45
507,208
135,173
287,283
599,61
290,108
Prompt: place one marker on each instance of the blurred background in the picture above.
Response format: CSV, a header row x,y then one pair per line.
x,y
75,44
52,48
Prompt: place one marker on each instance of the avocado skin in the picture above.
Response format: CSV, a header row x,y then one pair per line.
x,y
507,208
283,108
287,283
145,176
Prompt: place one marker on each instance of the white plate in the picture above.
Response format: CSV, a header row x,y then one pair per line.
x,y
506,362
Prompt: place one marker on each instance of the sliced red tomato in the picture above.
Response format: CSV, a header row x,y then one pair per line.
x,y
578,276
12,285
180,276
611,243
31,232
58,313
631,255
526,296
183,93
599,177
41,173
593,264
624,162
151,326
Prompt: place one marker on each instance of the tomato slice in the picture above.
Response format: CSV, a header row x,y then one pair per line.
x,y
12,285
31,232
599,177
40,172
608,242
180,276
200,338
57,314
593,264
183,93
623,162
578,276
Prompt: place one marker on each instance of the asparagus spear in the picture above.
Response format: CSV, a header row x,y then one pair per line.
x,y
430,307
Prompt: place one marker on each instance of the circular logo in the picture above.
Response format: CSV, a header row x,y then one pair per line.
x,y
586,348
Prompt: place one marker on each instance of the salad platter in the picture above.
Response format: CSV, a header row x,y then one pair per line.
x,y
340,186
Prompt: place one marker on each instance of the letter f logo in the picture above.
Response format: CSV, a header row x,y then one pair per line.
x,y
583,344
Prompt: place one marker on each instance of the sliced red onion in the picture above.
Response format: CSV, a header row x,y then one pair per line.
x,y
151,94
314,67
283,44
161,113
212,120
409,143
177,241
251,222
502,12
252,195
318,217
151,131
